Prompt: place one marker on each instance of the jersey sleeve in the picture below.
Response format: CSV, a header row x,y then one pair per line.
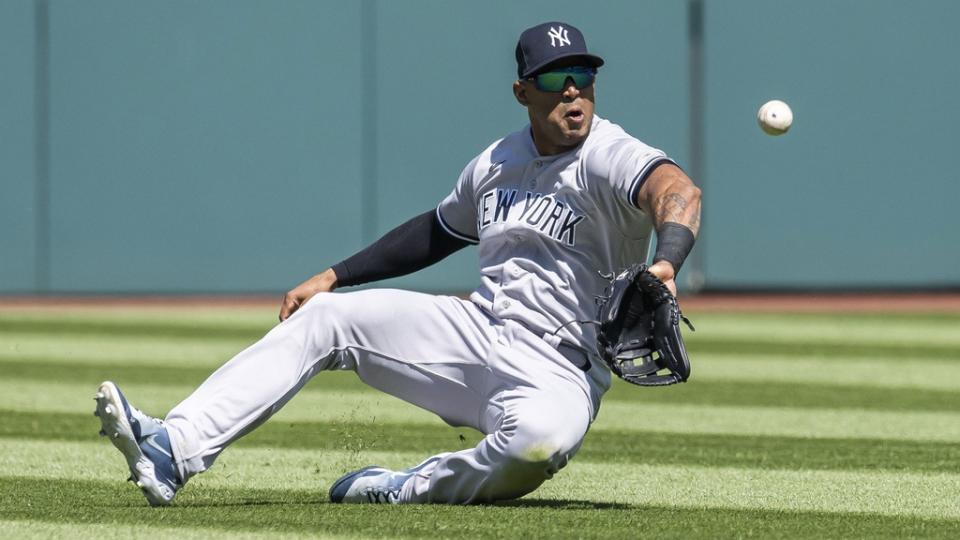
x,y
628,163
457,212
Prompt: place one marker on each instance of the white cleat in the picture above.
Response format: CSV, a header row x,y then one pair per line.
x,y
144,443
375,485
369,485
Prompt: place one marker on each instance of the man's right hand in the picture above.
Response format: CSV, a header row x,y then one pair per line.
x,y
325,281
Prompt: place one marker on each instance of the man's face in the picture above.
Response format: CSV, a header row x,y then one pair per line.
x,y
560,120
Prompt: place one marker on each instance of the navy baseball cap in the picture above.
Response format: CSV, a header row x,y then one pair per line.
x,y
546,43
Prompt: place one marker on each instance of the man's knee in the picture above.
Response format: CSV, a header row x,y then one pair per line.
x,y
535,450
539,441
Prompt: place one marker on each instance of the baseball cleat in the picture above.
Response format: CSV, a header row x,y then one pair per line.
x,y
374,484
368,485
144,443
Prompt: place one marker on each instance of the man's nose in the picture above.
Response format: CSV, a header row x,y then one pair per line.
x,y
570,90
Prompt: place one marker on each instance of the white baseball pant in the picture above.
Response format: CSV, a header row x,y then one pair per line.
x,y
444,354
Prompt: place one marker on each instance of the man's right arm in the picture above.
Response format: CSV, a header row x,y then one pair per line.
x,y
416,244
673,201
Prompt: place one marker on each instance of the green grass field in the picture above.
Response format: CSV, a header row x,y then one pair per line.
x,y
792,426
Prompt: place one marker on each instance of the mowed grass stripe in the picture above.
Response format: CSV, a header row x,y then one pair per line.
x,y
372,406
786,335
833,371
246,513
185,329
879,328
928,495
824,349
601,446
86,527
120,350
699,391
781,421
888,493
147,314
789,394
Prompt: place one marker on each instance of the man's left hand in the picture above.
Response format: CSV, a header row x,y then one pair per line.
x,y
665,272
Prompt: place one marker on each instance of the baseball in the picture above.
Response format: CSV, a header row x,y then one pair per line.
x,y
775,117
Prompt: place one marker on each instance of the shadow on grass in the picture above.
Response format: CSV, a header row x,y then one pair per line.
x,y
563,504
227,503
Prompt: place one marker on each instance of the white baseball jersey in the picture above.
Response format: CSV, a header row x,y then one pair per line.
x,y
548,226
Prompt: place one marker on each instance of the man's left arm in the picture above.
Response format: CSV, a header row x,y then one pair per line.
x,y
673,201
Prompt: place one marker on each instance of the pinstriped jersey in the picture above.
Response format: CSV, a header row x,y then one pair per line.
x,y
548,227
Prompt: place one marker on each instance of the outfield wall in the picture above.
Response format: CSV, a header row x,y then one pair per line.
x,y
238,146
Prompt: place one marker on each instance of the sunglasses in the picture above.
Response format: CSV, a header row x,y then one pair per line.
x,y
556,81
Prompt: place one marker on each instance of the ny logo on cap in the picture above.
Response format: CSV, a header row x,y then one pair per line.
x,y
558,35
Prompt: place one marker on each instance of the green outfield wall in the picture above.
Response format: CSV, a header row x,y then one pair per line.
x,y
229,146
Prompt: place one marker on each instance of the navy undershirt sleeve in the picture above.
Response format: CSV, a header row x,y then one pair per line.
x,y
416,244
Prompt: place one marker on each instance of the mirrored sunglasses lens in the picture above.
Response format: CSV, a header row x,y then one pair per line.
x,y
556,81
582,80
551,82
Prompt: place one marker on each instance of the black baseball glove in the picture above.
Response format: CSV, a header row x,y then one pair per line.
x,y
640,330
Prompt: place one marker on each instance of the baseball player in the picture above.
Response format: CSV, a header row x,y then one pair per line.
x,y
552,207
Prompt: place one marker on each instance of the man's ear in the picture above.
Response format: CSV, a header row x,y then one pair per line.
x,y
520,92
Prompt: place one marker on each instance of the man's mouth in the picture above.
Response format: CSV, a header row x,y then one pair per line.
x,y
574,114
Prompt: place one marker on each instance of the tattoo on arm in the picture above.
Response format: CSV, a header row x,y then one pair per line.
x,y
671,207
669,196
675,207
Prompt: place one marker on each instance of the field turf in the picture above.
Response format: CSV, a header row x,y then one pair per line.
x,y
793,425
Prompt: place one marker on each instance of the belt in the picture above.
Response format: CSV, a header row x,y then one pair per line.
x,y
569,351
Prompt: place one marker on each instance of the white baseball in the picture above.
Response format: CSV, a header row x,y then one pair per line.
x,y
775,117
